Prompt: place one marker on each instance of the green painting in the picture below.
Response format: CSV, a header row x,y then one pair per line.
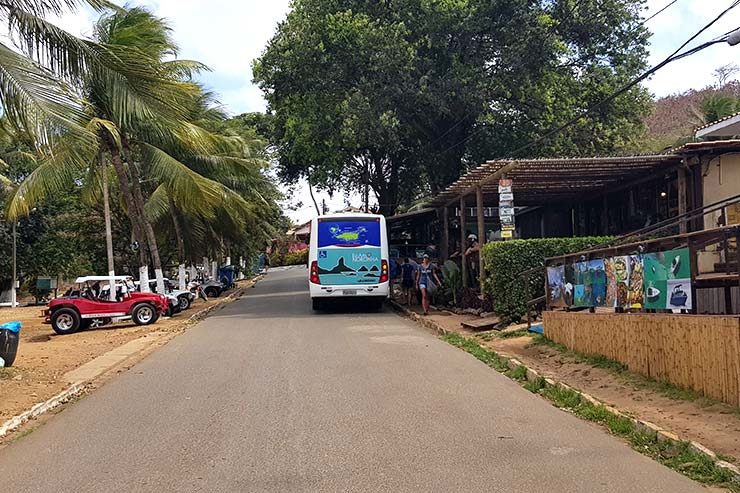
x,y
660,268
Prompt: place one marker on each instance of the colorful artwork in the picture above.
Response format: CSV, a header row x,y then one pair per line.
x,y
667,281
617,281
559,291
590,283
635,274
348,233
338,266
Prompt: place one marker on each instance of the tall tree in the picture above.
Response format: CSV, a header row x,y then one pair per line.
x,y
413,91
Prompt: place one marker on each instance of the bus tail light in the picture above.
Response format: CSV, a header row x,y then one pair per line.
x,y
384,271
315,273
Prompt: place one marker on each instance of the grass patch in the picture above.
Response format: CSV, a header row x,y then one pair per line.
x,y
536,385
485,355
513,334
519,373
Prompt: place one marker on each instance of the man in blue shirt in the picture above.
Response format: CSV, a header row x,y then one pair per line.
x,y
407,280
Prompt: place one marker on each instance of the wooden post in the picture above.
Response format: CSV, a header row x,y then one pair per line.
x,y
481,234
445,247
694,272
682,202
464,263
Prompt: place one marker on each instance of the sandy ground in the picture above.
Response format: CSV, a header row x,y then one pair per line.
x,y
713,424
44,357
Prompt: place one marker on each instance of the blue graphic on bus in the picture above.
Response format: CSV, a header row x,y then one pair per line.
x,y
341,267
348,233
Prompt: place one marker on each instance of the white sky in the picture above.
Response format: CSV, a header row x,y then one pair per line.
x,y
227,35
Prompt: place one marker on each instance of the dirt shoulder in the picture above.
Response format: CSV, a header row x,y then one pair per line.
x,y
44,357
713,424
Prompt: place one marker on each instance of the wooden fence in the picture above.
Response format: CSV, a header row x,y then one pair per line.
x,y
699,352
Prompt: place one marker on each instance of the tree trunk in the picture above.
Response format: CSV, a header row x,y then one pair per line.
x,y
180,244
133,213
108,234
139,202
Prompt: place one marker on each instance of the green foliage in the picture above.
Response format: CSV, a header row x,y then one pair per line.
x,y
296,258
451,283
504,261
406,95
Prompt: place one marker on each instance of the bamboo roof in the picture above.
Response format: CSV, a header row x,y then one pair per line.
x,y
547,180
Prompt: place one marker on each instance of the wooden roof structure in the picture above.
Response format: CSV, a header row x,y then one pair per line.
x,y
544,181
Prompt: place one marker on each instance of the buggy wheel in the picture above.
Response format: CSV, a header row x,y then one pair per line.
x,y
184,302
212,292
144,314
65,321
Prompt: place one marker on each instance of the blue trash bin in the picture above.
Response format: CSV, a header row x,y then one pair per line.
x,y
10,334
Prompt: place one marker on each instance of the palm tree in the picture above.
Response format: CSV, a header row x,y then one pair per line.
x,y
138,117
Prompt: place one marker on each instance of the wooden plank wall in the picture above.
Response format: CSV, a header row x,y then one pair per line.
x,y
700,352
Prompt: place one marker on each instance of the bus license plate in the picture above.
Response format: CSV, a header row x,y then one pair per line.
x,y
349,292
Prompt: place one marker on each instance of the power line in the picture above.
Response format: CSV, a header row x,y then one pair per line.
x,y
655,14
672,57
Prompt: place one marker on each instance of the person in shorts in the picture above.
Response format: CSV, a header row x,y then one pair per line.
x,y
407,280
425,277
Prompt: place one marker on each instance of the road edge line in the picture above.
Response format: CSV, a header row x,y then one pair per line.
x,y
532,376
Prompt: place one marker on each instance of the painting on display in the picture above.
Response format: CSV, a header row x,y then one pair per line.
x,y
559,290
590,284
635,276
668,280
617,281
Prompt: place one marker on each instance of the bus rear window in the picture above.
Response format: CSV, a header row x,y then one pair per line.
x,y
349,232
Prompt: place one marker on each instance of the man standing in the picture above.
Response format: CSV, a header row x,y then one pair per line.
x,y
471,257
407,280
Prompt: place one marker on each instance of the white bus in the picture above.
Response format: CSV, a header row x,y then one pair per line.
x,y
348,257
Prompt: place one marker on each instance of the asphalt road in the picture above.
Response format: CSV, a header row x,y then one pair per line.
x,y
267,396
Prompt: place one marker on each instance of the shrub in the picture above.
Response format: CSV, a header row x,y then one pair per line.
x,y
296,258
505,260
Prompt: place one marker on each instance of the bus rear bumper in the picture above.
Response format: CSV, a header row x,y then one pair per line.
x,y
349,291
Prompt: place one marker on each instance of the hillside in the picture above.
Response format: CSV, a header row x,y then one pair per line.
x,y
676,116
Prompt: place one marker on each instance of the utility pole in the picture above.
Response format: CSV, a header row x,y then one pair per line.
x,y
324,209
13,293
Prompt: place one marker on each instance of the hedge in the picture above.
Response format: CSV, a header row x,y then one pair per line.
x,y
505,260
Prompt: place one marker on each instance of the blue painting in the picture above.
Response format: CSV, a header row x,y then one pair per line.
x,y
348,233
341,267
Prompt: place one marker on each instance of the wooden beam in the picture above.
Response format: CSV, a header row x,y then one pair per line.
x,y
682,201
481,234
464,264
445,250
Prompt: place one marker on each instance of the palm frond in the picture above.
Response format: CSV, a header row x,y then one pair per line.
x,y
191,191
158,205
34,100
68,162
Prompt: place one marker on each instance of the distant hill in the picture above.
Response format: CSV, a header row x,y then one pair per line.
x,y
675,117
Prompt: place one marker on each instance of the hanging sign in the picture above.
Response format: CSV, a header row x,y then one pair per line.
x,y
506,207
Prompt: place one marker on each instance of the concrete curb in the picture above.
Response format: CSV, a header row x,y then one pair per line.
x,y
641,425
78,388
15,422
